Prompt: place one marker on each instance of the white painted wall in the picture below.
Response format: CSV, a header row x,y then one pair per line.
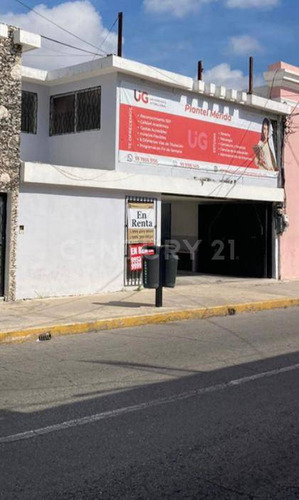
x,y
184,218
184,224
73,241
72,244
91,149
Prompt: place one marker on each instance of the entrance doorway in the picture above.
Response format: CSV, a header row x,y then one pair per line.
x,y
3,201
179,226
236,239
220,237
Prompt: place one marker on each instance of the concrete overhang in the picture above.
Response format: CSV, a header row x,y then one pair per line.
x,y
282,82
34,75
57,175
4,30
282,78
29,41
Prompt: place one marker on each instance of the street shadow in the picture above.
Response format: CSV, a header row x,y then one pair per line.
x,y
121,303
181,379
206,416
142,367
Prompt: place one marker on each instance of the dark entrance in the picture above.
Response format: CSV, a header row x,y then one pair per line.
x,y
2,241
236,239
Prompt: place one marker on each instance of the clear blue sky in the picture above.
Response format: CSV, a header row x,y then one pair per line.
x,y
175,34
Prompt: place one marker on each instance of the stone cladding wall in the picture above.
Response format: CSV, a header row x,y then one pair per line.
x,y
10,130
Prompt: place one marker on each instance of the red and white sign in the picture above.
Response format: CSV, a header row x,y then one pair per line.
x,y
178,130
136,253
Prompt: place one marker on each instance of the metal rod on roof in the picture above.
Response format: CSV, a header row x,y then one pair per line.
x,y
250,90
199,70
120,35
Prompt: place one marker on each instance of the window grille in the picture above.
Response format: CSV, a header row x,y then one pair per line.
x,y
29,112
63,114
89,110
76,112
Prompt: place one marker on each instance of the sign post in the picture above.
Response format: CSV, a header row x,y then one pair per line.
x,y
159,290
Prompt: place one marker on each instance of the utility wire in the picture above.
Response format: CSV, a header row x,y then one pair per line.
x,y
71,46
109,33
55,52
51,49
61,54
55,24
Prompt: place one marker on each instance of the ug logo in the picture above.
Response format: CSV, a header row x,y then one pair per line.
x,y
141,96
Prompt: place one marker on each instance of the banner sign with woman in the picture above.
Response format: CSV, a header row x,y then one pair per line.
x,y
164,127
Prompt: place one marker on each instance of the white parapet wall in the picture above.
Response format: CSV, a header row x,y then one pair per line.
x,y
3,30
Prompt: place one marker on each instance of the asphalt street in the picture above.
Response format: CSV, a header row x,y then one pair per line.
x,y
203,409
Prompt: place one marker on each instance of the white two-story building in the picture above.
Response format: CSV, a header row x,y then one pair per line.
x,y
117,154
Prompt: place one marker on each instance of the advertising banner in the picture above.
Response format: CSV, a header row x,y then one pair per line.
x,y
141,222
169,128
136,253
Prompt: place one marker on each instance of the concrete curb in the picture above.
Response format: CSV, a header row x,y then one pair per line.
x,y
146,319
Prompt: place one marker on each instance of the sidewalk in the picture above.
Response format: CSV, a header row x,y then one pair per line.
x,y
193,297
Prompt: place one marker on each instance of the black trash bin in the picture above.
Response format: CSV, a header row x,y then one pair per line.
x,y
170,269
150,271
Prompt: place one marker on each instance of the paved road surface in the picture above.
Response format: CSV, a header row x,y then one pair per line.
x,y
191,410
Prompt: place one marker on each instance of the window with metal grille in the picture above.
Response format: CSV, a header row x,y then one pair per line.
x,y
29,112
62,114
88,110
76,112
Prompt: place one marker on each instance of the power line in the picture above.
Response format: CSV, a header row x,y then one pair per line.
x,y
54,51
109,33
71,46
60,54
51,49
55,24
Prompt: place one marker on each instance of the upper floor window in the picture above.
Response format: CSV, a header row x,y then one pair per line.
x,y
75,112
29,112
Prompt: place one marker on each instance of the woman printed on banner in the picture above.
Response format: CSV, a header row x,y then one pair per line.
x,y
264,151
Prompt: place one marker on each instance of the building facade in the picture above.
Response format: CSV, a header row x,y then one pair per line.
x,y
115,155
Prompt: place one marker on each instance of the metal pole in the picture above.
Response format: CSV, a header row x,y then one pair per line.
x,y
159,296
120,35
199,70
159,290
250,91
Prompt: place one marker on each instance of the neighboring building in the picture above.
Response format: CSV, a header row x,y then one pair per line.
x,y
12,43
283,81
115,154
